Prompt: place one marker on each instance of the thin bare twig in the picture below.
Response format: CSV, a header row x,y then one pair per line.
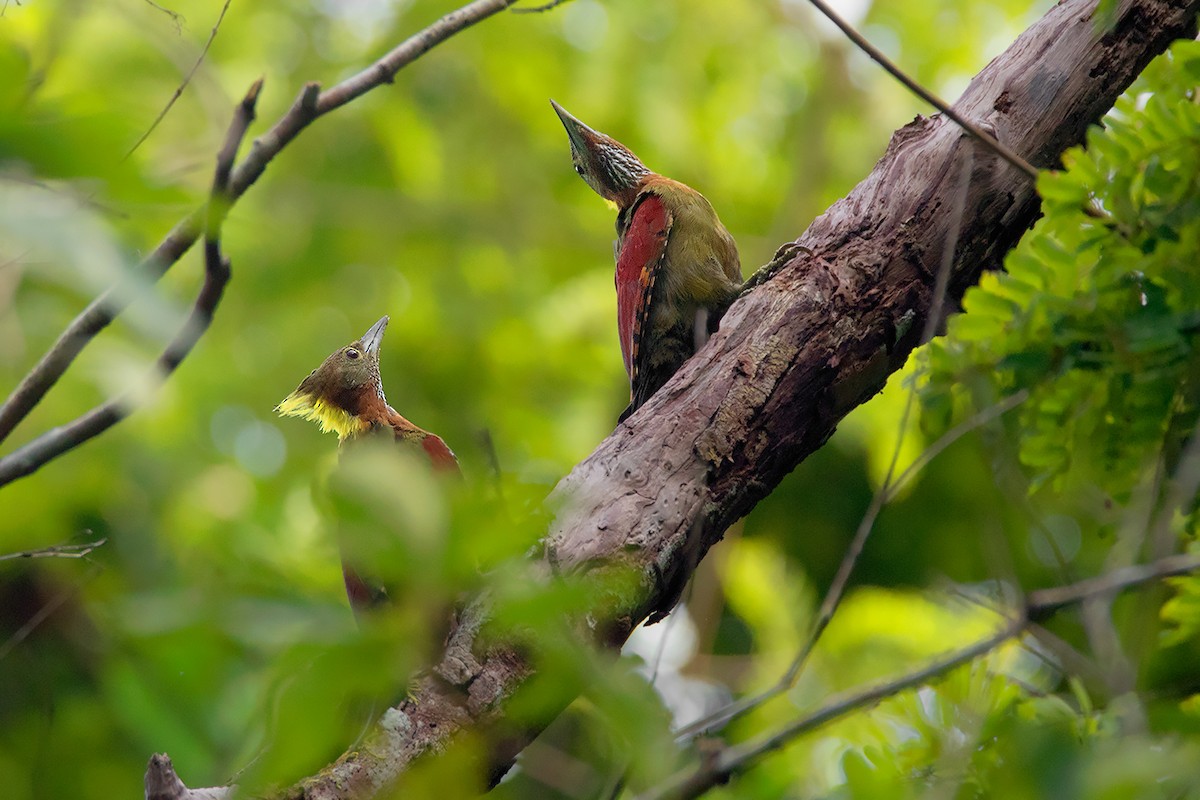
x,y
186,78
175,16
44,613
311,104
540,9
57,551
1044,603
719,767
920,91
830,602
493,461
59,440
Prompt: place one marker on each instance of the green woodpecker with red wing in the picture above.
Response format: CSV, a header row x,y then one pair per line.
x,y
677,267
345,396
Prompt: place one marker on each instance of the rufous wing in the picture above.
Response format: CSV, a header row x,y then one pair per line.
x,y
440,455
643,246
362,596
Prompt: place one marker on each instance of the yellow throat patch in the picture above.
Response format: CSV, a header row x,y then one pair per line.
x,y
328,416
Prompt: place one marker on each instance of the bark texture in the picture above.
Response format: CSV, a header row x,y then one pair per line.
x,y
791,359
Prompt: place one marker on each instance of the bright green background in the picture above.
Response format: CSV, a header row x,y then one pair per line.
x,y
213,619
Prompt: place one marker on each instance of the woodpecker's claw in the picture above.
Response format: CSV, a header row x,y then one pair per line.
x,y
783,256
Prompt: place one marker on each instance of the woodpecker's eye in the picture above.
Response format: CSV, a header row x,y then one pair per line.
x,y
579,170
352,354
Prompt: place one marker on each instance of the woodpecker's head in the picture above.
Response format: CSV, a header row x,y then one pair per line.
x,y
609,167
334,395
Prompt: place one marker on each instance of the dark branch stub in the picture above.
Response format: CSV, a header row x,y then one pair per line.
x,y
163,784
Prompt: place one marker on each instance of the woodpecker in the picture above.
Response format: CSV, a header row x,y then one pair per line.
x,y
345,396
677,267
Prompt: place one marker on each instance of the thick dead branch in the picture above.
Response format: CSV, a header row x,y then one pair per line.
x,y
839,312
824,332
827,323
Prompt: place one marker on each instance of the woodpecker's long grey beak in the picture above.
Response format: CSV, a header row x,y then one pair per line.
x,y
373,338
575,128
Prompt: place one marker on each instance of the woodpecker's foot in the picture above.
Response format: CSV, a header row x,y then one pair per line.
x,y
783,255
788,251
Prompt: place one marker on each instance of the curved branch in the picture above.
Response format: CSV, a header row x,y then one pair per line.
x,y
825,331
724,764
59,440
311,104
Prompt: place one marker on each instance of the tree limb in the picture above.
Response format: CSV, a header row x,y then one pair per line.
x,y
544,7
831,319
825,331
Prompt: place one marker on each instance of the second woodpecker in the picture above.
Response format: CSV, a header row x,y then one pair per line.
x,y
345,396
677,267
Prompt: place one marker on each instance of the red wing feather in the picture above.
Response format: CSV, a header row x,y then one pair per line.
x,y
642,247
360,595
440,455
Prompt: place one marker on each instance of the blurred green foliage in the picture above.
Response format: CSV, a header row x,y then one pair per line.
x,y
212,625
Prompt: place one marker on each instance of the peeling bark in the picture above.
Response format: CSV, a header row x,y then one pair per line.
x,y
817,338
